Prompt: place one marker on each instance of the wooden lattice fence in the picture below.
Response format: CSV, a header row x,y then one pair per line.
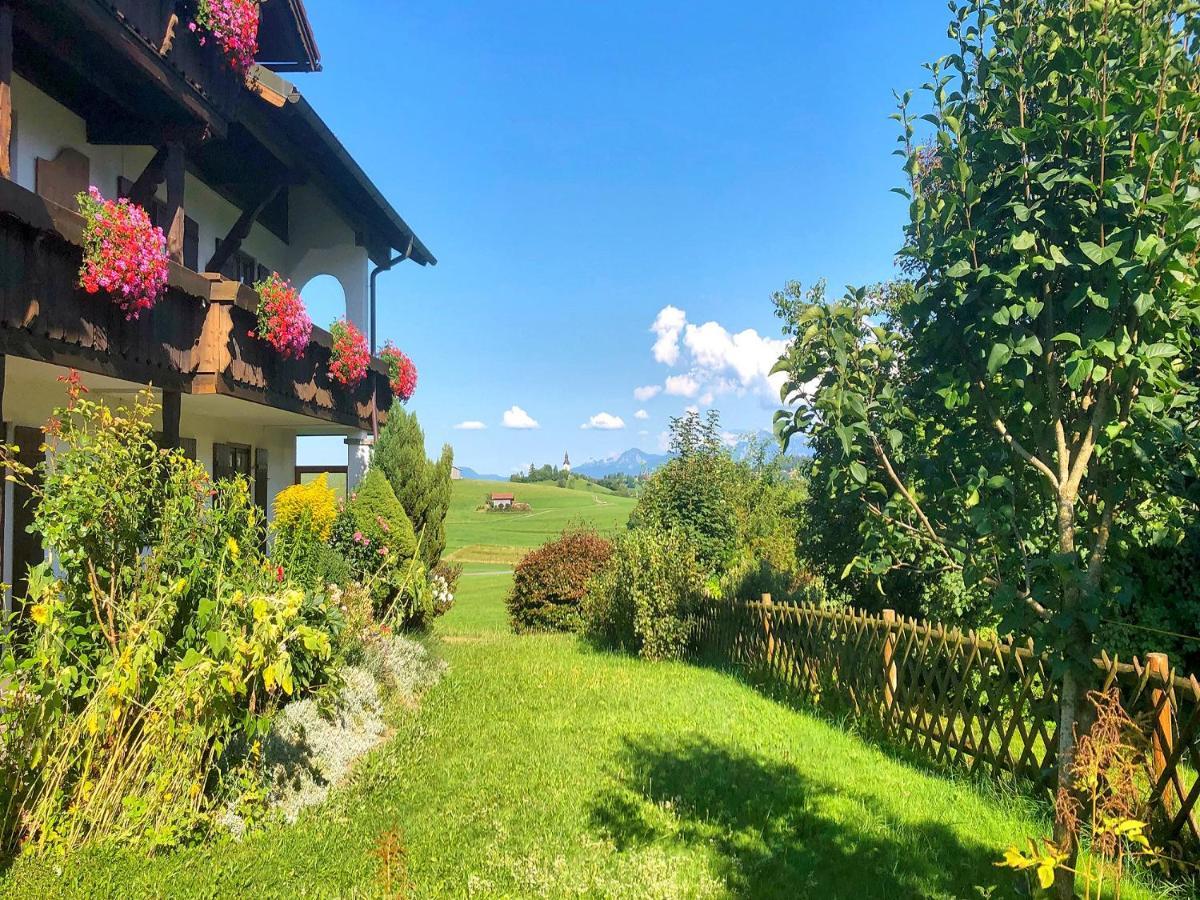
x,y
959,699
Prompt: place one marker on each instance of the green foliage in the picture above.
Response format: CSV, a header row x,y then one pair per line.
x,y
1016,413
551,581
378,515
304,515
149,646
694,492
645,599
422,486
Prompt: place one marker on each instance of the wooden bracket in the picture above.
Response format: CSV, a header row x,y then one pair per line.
x,y
241,229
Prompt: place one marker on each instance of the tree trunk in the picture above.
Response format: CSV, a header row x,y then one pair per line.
x,y
1071,703
1065,828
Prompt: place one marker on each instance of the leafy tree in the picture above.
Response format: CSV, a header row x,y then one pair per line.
x,y
1016,418
694,491
422,486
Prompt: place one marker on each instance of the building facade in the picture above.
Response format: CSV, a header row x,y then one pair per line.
x,y
245,179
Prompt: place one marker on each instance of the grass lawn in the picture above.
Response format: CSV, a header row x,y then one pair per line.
x,y
542,768
475,535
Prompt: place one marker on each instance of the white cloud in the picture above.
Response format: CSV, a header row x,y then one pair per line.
x,y
641,414
664,441
518,418
470,425
667,325
715,360
604,422
647,392
682,386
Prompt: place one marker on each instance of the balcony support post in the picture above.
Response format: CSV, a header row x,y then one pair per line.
x,y
174,211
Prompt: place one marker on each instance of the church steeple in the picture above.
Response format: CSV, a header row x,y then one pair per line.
x,y
566,466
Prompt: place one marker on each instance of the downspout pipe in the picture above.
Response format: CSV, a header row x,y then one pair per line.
x,y
375,273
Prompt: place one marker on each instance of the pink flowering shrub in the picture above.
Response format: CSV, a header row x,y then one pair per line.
x,y
233,24
402,371
124,254
282,320
349,358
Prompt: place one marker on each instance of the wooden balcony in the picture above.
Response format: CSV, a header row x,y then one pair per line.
x,y
195,340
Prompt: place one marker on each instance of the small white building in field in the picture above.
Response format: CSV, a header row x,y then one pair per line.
x,y
501,501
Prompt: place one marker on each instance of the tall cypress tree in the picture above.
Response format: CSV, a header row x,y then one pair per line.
x,y
422,486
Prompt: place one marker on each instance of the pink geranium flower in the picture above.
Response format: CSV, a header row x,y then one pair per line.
x,y
283,321
349,357
402,371
124,253
233,24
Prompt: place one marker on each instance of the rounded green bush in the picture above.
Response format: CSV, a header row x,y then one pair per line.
x,y
646,597
550,582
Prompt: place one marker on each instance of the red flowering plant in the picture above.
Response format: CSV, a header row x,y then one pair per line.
x,y
282,320
233,24
349,358
124,254
402,371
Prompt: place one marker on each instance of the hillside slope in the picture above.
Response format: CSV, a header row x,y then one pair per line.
x,y
478,535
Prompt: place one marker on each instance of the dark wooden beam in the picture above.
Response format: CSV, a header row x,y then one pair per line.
x,y
146,186
6,68
174,210
241,230
172,409
100,22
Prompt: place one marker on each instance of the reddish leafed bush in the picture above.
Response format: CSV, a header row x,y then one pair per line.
x,y
550,582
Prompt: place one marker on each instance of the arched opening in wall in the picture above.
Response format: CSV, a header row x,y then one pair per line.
x,y
325,299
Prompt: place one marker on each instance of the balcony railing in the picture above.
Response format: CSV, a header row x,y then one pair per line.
x,y
196,339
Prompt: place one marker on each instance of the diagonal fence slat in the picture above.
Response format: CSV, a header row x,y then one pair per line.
x,y
959,699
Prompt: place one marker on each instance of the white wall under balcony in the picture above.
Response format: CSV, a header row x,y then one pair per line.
x,y
45,128
323,244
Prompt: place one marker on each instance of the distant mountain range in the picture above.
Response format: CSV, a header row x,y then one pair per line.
x,y
472,475
639,462
631,462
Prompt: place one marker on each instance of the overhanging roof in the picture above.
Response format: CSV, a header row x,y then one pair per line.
x,y
285,38
329,164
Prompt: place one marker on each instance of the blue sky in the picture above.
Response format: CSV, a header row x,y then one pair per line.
x,y
578,168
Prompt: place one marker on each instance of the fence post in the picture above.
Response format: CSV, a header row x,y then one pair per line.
x,y
767,633
889,663
1162,738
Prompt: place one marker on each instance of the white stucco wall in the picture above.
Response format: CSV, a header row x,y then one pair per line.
x,y
323,244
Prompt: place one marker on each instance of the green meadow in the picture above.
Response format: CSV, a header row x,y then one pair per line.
x,y
542,767
476,534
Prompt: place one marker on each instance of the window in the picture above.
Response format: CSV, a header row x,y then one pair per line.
x,y
231,460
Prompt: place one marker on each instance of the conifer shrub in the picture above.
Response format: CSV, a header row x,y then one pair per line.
x,y
421,485
646,597
550,582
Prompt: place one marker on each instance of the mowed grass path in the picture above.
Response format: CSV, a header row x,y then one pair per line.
x,y
542,768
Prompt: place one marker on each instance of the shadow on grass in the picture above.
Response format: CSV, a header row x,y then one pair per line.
x,y
777,831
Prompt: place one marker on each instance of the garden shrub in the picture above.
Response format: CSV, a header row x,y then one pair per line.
x,y
157,638
645,599
421,485
304,516
380,517
550,582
